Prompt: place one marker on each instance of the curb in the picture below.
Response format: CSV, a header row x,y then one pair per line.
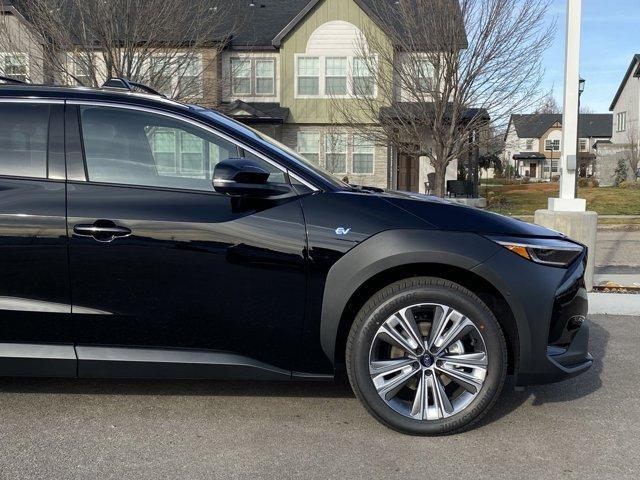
x,y
614,304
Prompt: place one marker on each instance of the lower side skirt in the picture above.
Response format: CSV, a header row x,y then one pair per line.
x,y
38,360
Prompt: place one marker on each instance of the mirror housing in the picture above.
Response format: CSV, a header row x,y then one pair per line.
x,y
243,177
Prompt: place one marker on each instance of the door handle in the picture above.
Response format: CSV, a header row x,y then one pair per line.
x,y
101,230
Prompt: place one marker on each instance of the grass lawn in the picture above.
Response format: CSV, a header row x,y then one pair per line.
x,y
525,199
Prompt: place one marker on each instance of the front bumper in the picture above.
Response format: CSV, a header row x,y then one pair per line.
x,y
549,306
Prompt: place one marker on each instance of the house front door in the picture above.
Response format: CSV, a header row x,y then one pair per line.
x,y
533,168
408,172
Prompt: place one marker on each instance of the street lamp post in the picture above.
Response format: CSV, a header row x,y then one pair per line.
x,y
581,83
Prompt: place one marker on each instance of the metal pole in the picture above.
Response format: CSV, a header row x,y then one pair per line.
x,y
568,159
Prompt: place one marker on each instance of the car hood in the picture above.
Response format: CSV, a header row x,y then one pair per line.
x,y
448,215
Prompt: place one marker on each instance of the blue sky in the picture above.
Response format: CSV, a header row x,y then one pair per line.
x,y
610,37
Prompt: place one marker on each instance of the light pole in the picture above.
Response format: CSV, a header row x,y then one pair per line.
x,y
581,83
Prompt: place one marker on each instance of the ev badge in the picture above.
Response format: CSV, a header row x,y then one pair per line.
x,y
342,230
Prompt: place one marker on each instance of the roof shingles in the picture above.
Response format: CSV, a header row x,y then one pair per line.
x,y
534,125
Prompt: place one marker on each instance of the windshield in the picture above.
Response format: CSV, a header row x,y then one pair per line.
x,y
295,156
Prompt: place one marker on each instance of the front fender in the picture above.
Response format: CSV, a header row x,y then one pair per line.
x,y
387,250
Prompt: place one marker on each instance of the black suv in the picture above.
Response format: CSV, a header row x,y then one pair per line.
x,y
141,237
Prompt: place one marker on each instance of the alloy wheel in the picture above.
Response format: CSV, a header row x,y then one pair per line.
x,y
428,361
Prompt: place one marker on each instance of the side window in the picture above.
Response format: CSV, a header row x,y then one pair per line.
x,y
23,139
138,148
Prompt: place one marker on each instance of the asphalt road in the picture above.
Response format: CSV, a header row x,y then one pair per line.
x,y
588,427
618,250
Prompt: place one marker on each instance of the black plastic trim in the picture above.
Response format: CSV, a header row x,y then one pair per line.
x,y
137,362
390,249
37,360
56,167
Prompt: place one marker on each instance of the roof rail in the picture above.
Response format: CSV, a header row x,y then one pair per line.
x,y
11,80
124,83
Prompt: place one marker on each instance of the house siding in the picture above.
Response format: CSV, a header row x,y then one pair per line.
x,y
22,40
316,110
629,101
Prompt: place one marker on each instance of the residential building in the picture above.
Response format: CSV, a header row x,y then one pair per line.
x,y
533,143
626,106
280,72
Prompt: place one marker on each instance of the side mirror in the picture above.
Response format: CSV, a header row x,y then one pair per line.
x,y
243,177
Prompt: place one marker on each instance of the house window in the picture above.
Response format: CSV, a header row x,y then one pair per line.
x,y
16,65
425,76
309,146
583,144
190,77
336,152
308,76
265,76
553,145
339,76
529,144
161,78
336,76
554,166
363,150
240,76
363,80
80,68
621,121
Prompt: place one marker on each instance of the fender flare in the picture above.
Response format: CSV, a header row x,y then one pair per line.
x,y
390,249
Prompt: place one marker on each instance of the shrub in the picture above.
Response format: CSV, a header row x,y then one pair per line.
x,y
496,200
526,179
620,173
630,184
588,182
555,178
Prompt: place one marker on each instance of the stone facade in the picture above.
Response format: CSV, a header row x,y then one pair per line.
x,y
607,161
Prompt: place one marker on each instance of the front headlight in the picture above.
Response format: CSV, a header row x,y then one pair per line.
x,y
547,251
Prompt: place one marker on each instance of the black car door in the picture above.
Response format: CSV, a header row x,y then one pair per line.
x,y
36,334
170,278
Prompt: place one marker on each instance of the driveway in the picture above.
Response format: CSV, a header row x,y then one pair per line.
x,y
588,427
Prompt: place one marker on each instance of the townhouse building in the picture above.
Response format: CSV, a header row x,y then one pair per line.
x,y
533,143
280,73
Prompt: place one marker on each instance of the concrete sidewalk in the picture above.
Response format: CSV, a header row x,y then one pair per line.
x,y
614,304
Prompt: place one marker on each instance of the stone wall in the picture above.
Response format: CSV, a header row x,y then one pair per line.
x,y
606,161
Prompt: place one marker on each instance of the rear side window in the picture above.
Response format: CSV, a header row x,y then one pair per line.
x,y
130,147
23,139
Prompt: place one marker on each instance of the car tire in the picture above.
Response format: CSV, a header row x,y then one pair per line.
x,y
469,371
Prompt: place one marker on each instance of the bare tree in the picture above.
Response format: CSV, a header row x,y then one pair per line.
x,y
165,43
549,104
441,67
586,109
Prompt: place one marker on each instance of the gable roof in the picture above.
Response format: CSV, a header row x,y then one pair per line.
x,y
370,8
534,125
636,73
